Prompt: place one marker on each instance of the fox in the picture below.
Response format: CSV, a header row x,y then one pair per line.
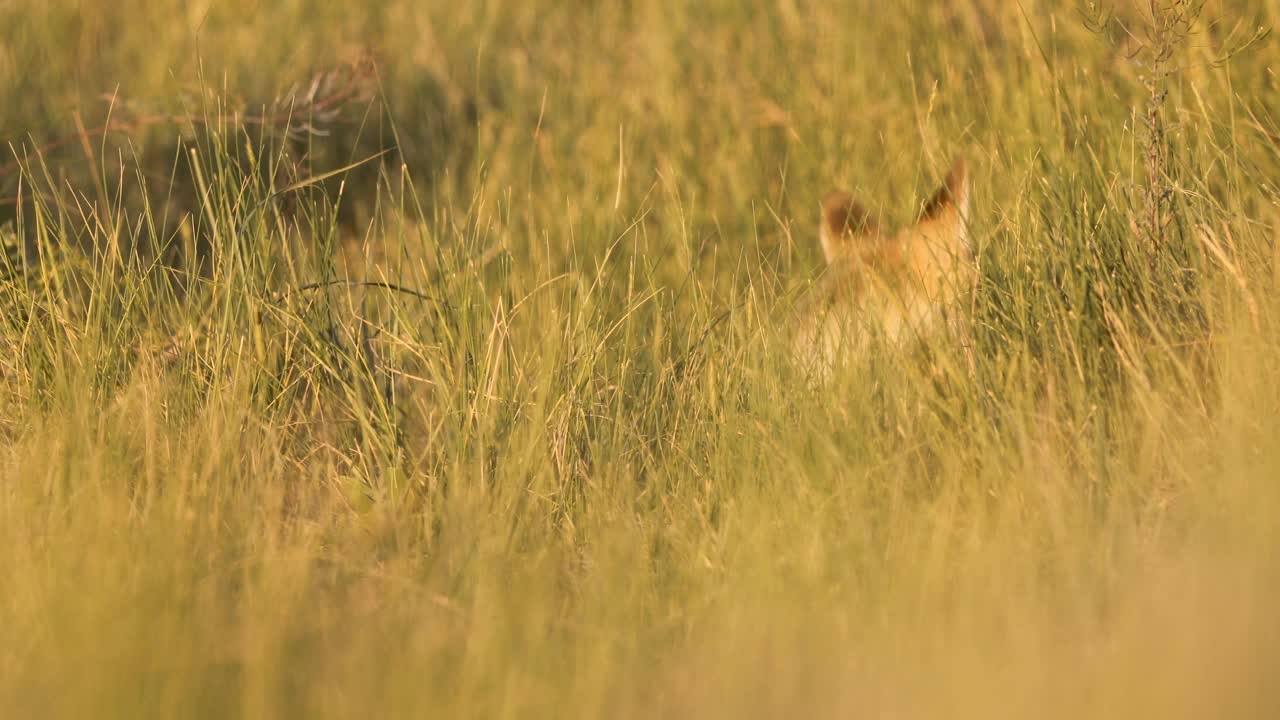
x,y
894,287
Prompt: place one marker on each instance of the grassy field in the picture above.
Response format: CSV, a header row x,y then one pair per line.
x,y
498,421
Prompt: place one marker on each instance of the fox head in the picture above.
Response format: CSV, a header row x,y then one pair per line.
x,y
892,284
846,227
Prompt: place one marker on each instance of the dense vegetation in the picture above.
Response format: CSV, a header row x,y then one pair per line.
x,y
406,359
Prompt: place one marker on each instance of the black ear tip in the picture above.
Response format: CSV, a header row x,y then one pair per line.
x,y
842,214
954,191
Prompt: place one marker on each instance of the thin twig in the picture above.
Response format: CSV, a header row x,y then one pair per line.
x,y
365,284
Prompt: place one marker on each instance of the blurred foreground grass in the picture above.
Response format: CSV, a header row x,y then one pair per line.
x,y
498,424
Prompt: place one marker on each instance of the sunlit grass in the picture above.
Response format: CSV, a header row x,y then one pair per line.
x,y
501,423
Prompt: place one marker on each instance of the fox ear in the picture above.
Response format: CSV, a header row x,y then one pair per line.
x,y
842,220
949,206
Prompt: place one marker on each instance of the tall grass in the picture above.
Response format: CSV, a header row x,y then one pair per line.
x,y
501,423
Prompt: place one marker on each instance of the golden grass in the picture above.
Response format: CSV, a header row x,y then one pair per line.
x,y
572,474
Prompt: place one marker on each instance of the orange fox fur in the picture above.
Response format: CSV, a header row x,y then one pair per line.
x,y
896,286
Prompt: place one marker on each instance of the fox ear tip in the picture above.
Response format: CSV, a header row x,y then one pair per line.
x,y
833,204
954,192
841,213
843,218
836,199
